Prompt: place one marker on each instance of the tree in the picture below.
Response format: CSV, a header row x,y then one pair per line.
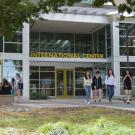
x,y
14,12
125,5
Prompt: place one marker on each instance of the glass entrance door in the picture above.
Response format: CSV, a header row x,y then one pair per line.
x,y
65,82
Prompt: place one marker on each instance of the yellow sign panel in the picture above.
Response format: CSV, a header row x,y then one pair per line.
x,y
65,55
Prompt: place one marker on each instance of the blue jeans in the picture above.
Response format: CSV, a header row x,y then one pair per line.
x,y
110,89
87,92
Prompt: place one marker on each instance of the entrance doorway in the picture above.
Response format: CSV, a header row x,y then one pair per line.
x,y
65,82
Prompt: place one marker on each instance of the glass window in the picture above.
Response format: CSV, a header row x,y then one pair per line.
x,y
64,42
108,52
83,43
34,75
123,51
1,44
47,68
108,40
11,72
124,42
42,82
13,63
34,37
46,37
99,42
34,47
131,64
46,41
130,29
17,37
34,84
13,44
94,43
131,41
36,68
11,67
13,47
47,80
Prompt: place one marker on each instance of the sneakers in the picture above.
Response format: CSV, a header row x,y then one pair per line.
x,y
110,101
85,101
125,100
128,102
88,103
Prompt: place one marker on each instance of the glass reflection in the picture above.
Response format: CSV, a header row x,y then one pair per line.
x,y
11,67
60,83
70,82
13,47
47,80
70,43
13,63
42,82
1,44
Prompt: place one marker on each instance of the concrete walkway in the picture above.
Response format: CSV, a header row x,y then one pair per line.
x,y
74,103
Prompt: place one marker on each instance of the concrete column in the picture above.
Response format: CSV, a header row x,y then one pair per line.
x,y
116,68
115,55
26,61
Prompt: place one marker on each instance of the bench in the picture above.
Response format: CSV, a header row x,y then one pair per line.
x,y
6,99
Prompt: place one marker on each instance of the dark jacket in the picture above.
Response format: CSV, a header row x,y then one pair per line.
x,y
97,82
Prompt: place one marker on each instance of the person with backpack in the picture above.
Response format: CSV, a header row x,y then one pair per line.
x,y
13,91
110,81
97,87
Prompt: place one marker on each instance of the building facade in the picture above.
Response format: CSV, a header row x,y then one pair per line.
x,y
52,55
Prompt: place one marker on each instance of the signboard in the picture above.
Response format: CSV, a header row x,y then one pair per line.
x,y
65,55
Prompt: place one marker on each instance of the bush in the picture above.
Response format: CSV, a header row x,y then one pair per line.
x,y
101,127
38,95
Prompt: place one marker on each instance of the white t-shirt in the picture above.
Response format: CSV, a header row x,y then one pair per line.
x,y
110,80
16,83
87,82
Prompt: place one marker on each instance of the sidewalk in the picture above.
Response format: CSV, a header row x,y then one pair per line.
x,y
73,103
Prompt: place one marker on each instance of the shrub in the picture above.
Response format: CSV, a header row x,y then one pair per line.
x,y
101,127
38,95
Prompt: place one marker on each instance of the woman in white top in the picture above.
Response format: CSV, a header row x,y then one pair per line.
x,y
18,88
110,81
87,86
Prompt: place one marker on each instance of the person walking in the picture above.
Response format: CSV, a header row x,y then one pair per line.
x,y
127,78
13,91
110,81
97,87
87,86
18,87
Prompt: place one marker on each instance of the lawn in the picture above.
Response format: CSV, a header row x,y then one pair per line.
x,y
44,120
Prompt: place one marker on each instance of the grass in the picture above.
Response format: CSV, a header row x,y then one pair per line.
x,y
31,121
